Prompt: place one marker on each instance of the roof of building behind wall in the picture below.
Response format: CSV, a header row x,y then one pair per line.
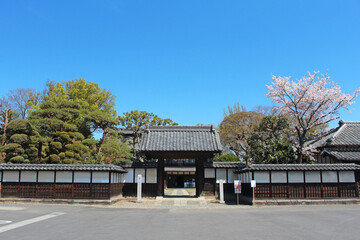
x,y
180,138
346,134
344,154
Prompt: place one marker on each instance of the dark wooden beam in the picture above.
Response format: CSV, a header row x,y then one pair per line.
x,y
160,176
200,175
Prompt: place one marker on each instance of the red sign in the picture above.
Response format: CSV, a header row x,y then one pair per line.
x,y
237,186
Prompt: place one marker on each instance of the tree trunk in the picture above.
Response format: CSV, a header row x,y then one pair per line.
x,y
39,151
102,140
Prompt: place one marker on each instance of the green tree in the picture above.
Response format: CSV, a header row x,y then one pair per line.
x,y
103,120
67,114
236,129
20,147
226,157
114,151
270,142
136,121
88,96
55,123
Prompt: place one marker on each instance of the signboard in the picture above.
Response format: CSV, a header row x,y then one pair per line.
x,y
253,183
237,186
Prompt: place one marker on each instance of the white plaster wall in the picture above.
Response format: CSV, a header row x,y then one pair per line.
x,y
64,177
262,176
247,177
11,176
221,174
140,171
129,176
346,176
209,172
278,177
312,176
46,176
296,177
329,177
82,177
151,175
28,176
100,177
231,175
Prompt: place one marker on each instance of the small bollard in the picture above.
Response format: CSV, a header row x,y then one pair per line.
x,y
139,181
221,188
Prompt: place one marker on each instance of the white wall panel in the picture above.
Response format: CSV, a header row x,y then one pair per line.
x,y
100,177
11,176
28,176
64,177
46,176
278,177
221,174
329,177
82,177
209,172
231,175
296,177
312,176
346,176
129,176
140,171
151,175
262,176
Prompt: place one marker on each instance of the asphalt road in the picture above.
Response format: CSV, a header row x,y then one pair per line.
x,y
36,221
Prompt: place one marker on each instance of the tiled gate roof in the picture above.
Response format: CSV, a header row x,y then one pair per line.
x,y
180,138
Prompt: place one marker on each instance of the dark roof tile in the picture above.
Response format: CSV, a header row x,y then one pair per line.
x,y
180,138
344,154
224,165
300,167
62,167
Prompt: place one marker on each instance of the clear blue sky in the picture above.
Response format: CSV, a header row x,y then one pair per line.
x,y
184,60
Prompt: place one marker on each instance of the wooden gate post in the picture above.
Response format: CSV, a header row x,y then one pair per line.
x,y
199,177
160,177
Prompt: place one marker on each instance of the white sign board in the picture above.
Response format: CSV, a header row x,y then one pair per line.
x,y
237,186
253,183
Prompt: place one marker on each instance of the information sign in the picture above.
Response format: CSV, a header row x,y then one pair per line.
x,y
237,186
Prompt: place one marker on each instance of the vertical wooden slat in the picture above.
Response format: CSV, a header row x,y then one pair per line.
x,y
54,187
304,179
338,185
321,185
270,186
91,183
37,182
72,185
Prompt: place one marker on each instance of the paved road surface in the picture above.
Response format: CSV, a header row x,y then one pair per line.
x,y
37,221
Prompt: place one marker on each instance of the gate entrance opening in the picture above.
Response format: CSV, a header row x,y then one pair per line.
x,y
180,175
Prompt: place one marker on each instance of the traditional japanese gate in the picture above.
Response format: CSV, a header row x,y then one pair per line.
x,y
180,142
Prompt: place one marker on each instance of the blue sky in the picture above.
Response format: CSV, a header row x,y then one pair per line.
x,y
184,60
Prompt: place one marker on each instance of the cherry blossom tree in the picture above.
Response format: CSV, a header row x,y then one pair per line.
x,y
310,102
